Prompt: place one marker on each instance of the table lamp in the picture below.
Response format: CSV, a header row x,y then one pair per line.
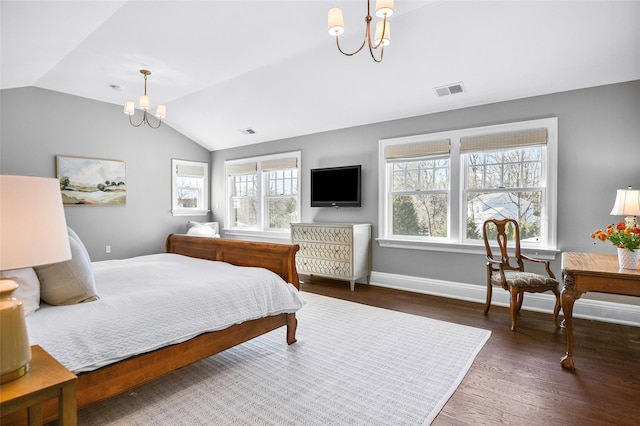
x,y
627,204
33,231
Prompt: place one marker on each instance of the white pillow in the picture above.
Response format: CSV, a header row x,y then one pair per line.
x,y
28,291
72,234
70,282
203,229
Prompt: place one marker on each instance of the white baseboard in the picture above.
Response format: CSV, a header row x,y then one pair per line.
x,y
618,313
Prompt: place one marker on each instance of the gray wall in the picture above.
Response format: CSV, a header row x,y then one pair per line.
x,y
598,153
38,124
599,142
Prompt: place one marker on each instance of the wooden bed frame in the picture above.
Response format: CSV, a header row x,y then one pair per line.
x,y
113,379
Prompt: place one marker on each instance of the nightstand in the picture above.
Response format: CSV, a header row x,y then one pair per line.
x,y
46,379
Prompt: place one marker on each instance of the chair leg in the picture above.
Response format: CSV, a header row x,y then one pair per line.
x,y
514,307
556,308
520,300
487,304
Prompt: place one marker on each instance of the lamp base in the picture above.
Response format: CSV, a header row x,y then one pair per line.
x,y
14,374
15,352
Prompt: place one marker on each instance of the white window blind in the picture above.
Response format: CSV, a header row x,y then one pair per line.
x,y
242,168
279,164
184,170
496,141
417,149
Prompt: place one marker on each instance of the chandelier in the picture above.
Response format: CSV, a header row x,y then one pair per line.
x,y
384,9
143,103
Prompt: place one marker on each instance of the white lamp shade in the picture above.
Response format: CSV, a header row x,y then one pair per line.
x,y
129,108
384,7
387,33
161,111
627,202
336,22
144,102
33,229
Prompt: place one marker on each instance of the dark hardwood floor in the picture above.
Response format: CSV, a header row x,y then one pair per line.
x,y
516,379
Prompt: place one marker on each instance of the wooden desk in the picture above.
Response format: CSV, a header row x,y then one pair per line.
x,y
46,379
583,272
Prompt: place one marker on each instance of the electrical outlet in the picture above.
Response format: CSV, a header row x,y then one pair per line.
x,y
107,249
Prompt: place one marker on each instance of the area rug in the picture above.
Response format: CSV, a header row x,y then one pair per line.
x,y
352,365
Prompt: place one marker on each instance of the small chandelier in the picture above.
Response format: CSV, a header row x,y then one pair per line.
x,y
129,107
384,9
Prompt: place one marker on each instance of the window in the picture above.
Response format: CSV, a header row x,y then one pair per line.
x,y
190,188
419,193
504,179
438,189
263,192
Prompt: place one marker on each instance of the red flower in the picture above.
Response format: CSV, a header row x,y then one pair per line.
x,y
620,226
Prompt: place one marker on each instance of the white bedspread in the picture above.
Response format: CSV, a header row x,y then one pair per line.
x,y
152,301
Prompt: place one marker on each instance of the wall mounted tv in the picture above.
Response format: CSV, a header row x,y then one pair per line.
x,y
336,186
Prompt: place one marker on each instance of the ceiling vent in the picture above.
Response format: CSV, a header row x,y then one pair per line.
x,y
449,89
248,131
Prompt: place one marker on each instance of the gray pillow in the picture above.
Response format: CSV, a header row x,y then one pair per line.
x,y
70,282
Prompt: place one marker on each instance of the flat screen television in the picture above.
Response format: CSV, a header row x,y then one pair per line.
x,y
336,186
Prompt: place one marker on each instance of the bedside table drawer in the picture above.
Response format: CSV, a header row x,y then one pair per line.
x,y
325,251
324,267
322,234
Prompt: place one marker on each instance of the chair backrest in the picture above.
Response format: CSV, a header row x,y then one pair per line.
x,y
506,233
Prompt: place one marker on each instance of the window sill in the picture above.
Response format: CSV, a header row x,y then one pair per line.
x,y
537,252
273,236
190,212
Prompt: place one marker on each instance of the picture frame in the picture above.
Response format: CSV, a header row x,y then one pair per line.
x,y
91,181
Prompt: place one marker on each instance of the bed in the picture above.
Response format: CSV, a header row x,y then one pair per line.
x,y
176,343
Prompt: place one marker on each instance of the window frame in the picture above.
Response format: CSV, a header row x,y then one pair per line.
x,y
177,210
262,195
456,221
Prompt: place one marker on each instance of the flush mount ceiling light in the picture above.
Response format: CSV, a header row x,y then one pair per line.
x,y
143,103
384,9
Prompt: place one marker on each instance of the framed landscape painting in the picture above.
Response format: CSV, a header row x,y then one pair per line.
x,y
91,181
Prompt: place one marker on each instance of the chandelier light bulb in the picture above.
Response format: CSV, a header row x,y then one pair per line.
x,y
384,8
336,22
161,111
144,102
386,39
129,108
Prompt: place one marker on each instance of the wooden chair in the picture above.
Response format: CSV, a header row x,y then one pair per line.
x,y
513,278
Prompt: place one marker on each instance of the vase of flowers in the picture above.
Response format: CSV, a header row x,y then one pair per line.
x,y
626,239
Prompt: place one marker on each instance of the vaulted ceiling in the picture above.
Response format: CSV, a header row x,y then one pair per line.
x,y
224,66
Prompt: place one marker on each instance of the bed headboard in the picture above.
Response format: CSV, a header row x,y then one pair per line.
x,y
279,258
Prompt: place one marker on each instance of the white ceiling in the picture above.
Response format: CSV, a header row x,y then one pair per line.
x,y
222,66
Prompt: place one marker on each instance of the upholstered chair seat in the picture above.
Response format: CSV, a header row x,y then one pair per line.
x,y
523,279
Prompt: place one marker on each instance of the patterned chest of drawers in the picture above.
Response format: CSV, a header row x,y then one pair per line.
x,y
335,250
